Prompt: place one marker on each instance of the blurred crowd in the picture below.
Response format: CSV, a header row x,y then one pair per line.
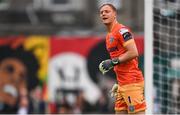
x,y
36,105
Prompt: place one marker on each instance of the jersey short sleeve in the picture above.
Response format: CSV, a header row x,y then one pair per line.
x,y
125,35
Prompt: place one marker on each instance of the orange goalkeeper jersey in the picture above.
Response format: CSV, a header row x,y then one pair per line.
x,y
127,72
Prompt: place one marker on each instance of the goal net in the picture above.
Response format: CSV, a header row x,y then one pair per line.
x,y
166,56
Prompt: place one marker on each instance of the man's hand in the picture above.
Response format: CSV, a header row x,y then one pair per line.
x,y
114,90
108,64
105,66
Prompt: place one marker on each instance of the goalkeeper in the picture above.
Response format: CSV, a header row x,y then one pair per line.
x,y
129,92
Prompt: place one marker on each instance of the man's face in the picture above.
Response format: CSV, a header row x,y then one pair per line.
x,y
12,75
107,14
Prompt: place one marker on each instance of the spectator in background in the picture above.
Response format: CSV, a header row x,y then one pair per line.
x,y
23,102
18,74
103,103
37,105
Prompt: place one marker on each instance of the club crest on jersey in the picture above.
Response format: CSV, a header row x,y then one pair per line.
x,y
111,40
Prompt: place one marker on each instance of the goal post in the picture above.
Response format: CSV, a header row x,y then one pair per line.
x,y
162,56
148,55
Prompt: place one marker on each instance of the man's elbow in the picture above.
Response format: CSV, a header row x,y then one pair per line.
x,y
135,54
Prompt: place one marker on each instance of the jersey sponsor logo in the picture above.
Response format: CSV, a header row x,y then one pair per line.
x,y
112,49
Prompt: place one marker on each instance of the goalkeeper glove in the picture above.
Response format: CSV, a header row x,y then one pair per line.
x,y
114,90
108,64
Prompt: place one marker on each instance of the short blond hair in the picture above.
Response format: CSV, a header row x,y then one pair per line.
x,y
109,4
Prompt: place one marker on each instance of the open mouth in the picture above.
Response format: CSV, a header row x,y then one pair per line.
x,y
104,18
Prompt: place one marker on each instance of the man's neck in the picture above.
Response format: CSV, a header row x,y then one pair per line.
x,y
110,26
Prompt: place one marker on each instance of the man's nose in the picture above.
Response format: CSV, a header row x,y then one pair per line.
x,y
103,13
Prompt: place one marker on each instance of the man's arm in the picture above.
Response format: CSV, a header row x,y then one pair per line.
x,y
131,51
